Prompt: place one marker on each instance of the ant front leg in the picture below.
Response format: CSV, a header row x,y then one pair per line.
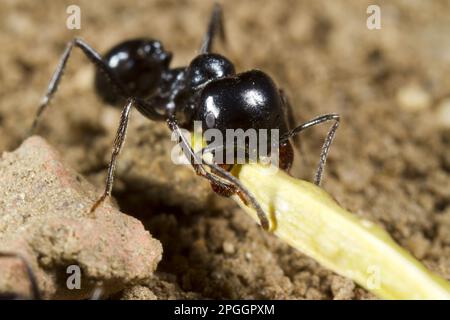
x,y
117,147
146,109
327,143
94,57
215,25
220,177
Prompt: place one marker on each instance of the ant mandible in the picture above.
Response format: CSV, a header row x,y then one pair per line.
x,y
137,71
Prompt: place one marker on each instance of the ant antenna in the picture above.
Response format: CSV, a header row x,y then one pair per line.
x,y
215,25
327,143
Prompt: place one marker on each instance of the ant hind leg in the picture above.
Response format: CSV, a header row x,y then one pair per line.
x,y
94,57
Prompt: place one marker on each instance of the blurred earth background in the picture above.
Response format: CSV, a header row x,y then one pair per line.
x,y
390,162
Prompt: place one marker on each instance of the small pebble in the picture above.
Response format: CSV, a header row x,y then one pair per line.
x,y
228,247
418,245
342,288
413,98
138,293
443,113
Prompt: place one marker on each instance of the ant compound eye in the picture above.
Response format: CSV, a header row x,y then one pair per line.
x,y
207,67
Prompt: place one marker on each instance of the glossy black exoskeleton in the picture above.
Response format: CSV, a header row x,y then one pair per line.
x,y
139,64
208,90
249,100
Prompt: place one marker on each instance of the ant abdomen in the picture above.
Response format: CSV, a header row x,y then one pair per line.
x,y
138,65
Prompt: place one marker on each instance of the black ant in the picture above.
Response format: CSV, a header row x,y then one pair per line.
x,y
137,71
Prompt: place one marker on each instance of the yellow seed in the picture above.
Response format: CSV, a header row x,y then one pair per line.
x,y
413,98
443,113
306,217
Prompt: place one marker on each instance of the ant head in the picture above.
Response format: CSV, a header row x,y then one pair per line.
x,y
138,65
207,67
247,101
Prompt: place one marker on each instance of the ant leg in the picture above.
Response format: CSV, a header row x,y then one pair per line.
x,y
117,147
215,25
231,181
97,293
93,56
36,294
327,143
243,192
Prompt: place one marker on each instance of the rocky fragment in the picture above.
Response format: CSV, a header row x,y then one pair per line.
x,y
45,216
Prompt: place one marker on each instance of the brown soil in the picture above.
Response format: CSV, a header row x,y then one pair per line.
x,y
390,162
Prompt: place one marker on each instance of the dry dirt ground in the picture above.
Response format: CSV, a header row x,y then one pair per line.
x,y
390,162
